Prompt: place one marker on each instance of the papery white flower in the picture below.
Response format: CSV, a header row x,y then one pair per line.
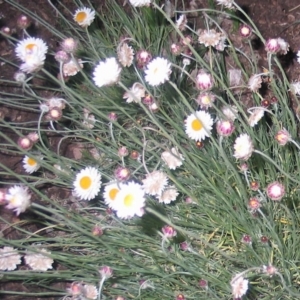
x,y
235,77
110,193
173,158
298,56
155,182
125,55
243,147
158,71
90,291
209,37
295,87
71,68
9,259
284,46
130,200
239,286
168,195
107,72
139,3
18,199
39,261
254,83
226,3
32,52
275,191
230,112
87,183
181,22
56,102
204,80
205,100
198,125
30,164
255,116
135,94
84,16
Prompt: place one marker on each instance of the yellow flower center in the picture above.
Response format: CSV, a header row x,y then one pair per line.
x,y
80,17
113,193
206,100
197,125
31,162
128,200
85,182
30,48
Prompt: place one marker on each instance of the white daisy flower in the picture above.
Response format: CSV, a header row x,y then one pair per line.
x,y
173,158
139,3
9,259
198,125
107,72
168,195
84,16
30,164
32,52
110,193
155,182
39,261
18,199
239,286
130,200
135,94
158,71
243,147
87,183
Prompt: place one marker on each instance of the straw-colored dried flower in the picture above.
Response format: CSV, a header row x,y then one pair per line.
x,y
72,67
38,261
9,259
155,182
209,37
125,55
135,94
255,116
173,158
168,195
254,83
239,286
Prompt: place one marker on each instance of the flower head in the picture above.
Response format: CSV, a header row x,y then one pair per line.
x,y
225,127
230,112
107,72
275,191
272,46
130,200
139,3
90,291
25,143
209,37
158,71
110,194
245,30
69,45
226,3
204,81
168,231
205,100
254,204
18,199
239,286
173,158
181,22
71,68
32,52
30,164
198,125
168,195
122,173
255,116
143,57
87,183
243,147
9,259
254,83
125,55
283,137
39,261
135,94
84,16
155,182
106,272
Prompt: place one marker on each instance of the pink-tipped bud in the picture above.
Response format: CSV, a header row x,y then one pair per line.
x,y
106,272
6,30
180,297
254,185
123,151
62,56
25,143
203,283
134,155
168,231
75,289
148,100
23,22
245,31
225,127
204,81
275,191
113,116
143,57
282,137
33,136
54,114
272,46
246,239
69,45
122,174
176,49
97,231
254,204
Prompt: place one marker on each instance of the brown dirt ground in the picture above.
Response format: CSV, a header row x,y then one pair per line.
x,y
274,18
